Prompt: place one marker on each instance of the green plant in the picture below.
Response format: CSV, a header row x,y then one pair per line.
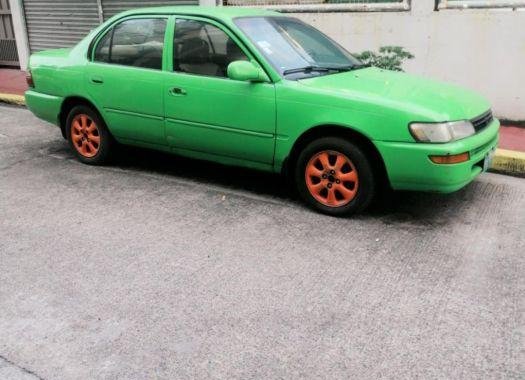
x,y
388,57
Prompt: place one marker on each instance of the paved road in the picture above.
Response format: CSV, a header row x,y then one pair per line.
x,y
161,267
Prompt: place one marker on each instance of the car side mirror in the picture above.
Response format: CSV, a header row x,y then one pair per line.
x,y
246,71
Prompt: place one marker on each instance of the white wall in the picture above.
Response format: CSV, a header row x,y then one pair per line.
x,y
483,49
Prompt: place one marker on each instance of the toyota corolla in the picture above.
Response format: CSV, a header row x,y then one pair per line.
x,y
262,90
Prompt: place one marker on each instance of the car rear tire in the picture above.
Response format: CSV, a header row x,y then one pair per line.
x,y
88,136
335,177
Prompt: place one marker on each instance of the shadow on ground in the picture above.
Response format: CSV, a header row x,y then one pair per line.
x,y
391,206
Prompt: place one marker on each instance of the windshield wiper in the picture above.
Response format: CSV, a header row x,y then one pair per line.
x,y
306,69
309,69
359,66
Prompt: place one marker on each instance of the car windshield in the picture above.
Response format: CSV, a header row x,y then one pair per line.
x,y
295,48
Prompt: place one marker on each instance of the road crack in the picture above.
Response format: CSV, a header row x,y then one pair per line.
x,y
22,368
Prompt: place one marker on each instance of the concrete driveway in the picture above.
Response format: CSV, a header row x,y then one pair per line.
x,y
159,267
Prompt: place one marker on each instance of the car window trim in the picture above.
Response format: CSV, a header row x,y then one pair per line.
x,y
260,59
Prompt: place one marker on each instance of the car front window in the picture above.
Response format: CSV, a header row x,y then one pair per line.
x,y
290,44
203,49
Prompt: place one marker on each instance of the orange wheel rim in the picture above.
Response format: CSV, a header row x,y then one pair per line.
x,y
85,135
331,178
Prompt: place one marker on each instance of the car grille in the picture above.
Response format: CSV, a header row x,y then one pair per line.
x,y
482,120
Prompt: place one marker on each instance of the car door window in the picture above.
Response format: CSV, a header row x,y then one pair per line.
x,y
204,49
135,42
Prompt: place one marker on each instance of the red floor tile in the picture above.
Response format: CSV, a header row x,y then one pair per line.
x,y
12,81
512,138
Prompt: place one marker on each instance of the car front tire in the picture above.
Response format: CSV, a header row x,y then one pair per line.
x,y
335,177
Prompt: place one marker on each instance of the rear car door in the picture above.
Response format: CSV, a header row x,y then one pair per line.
x,y
205,110
125,78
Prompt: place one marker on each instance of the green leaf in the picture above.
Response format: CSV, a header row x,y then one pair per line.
x,y
388,57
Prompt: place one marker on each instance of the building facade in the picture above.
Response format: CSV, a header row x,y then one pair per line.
x,y
479,44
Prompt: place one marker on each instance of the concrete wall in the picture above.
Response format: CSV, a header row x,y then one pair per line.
x,y
483,49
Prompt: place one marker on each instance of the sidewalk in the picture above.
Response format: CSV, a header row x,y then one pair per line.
x,y
509,158
12,86
12,81
510,155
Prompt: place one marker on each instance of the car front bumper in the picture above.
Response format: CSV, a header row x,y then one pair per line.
x,y
409,167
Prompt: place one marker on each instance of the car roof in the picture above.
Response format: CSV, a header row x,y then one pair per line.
x,y
224,13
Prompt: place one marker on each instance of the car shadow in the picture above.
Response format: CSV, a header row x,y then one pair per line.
x,y
392,207
206,172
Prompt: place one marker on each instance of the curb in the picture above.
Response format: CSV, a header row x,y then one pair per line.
x,y
505,161
19,100
509,162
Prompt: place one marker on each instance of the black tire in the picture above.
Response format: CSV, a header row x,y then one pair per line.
x,y
106,142
363,188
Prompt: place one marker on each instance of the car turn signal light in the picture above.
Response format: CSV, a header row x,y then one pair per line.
x,y
450,158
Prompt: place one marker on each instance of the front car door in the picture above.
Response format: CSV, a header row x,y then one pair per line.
x,y
205,110
125,78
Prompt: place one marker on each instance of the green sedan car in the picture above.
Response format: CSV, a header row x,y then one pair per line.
x,y
262,90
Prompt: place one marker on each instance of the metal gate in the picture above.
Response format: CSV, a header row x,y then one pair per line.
x,y
8,52
62,23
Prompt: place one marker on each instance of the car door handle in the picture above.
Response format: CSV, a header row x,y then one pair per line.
x,y
177,91
96,80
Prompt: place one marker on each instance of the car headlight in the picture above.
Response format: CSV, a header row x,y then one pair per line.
x,y
441,132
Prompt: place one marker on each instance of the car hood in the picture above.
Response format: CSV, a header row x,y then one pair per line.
x,y
427,99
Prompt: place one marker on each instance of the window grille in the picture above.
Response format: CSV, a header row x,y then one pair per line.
x,y
466,4
324,5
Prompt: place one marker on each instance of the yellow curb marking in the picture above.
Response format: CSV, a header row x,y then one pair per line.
x,y
509,161
13,99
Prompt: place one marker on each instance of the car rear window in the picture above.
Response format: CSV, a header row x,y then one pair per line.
x,y
135,42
